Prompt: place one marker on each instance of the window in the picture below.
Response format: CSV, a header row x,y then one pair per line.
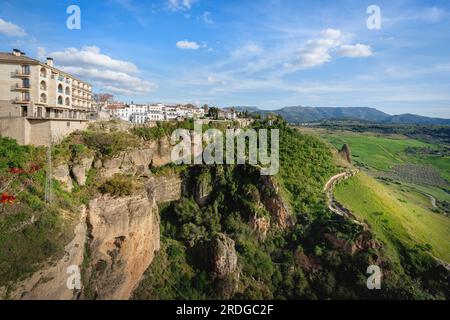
x,y
67,102
26,83
60,88
60,100
43,85
67,91
26,70
43,98
43,73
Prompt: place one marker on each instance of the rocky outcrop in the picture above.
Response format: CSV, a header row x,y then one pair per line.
x,y
51,283
153,154
364,241
346,153
61,173
123,237
203,188
219,257
223,256
164,188
261,226
280,215
80,170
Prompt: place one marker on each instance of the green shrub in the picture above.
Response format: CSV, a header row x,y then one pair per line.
x,y
118,186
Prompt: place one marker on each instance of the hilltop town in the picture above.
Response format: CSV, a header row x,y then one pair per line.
x,y
40,103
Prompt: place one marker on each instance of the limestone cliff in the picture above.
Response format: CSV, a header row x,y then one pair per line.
x,y
279,210
81,168
220,258
153,154
123,238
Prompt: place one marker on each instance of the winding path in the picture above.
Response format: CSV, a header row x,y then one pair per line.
x,y
333,205
340,210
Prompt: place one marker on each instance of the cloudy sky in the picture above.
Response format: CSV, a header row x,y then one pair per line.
x,y
266,53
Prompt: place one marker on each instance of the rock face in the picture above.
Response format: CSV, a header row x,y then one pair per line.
x,y
346,153
124,235
260,225
224,257
61,173
51,283
81,169
154,154
203,188
275,204
219,257
164,188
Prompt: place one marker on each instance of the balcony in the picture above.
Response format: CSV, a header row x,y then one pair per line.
x,y
21,100
20,87
21,73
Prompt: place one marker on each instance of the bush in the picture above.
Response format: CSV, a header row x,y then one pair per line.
x,y
119,186
109,144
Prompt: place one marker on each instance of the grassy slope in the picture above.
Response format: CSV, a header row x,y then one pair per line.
x,y
378,152
396,215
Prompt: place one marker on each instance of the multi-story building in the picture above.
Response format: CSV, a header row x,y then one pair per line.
x,y
155,112
38,102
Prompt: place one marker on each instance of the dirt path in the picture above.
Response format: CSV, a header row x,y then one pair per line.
x,y
335,206
340,210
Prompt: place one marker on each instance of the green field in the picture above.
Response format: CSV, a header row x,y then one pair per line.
x,y
378,152
396,215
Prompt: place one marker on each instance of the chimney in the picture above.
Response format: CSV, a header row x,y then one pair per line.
x,y
50,62
17,52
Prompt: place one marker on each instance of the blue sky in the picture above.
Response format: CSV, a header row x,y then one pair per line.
x,y
269,54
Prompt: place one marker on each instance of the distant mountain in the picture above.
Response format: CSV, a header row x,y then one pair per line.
x,y
413,118
311,114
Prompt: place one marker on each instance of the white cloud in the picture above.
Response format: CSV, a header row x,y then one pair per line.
x,y
11,29
104,72
187,45
320,51
91,56
317,52
355,51
114,81
206,18
178,5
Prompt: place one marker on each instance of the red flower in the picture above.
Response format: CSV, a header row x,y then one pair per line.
x,y
7,199
16,171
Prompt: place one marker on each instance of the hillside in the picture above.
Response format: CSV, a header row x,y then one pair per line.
x,y
299,115
140,227
397,215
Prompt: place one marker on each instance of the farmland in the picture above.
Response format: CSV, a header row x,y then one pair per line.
x,y
402,192
396,214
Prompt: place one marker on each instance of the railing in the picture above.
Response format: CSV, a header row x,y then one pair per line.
x,y
20,86
21,100
21,73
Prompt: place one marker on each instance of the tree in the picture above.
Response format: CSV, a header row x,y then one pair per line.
x,y
102,97
213,113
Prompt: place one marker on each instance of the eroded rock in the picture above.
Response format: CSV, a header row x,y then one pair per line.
x,y
124,235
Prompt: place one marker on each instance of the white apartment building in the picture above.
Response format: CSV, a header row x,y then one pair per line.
x,y
39,102
171,113
155,112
